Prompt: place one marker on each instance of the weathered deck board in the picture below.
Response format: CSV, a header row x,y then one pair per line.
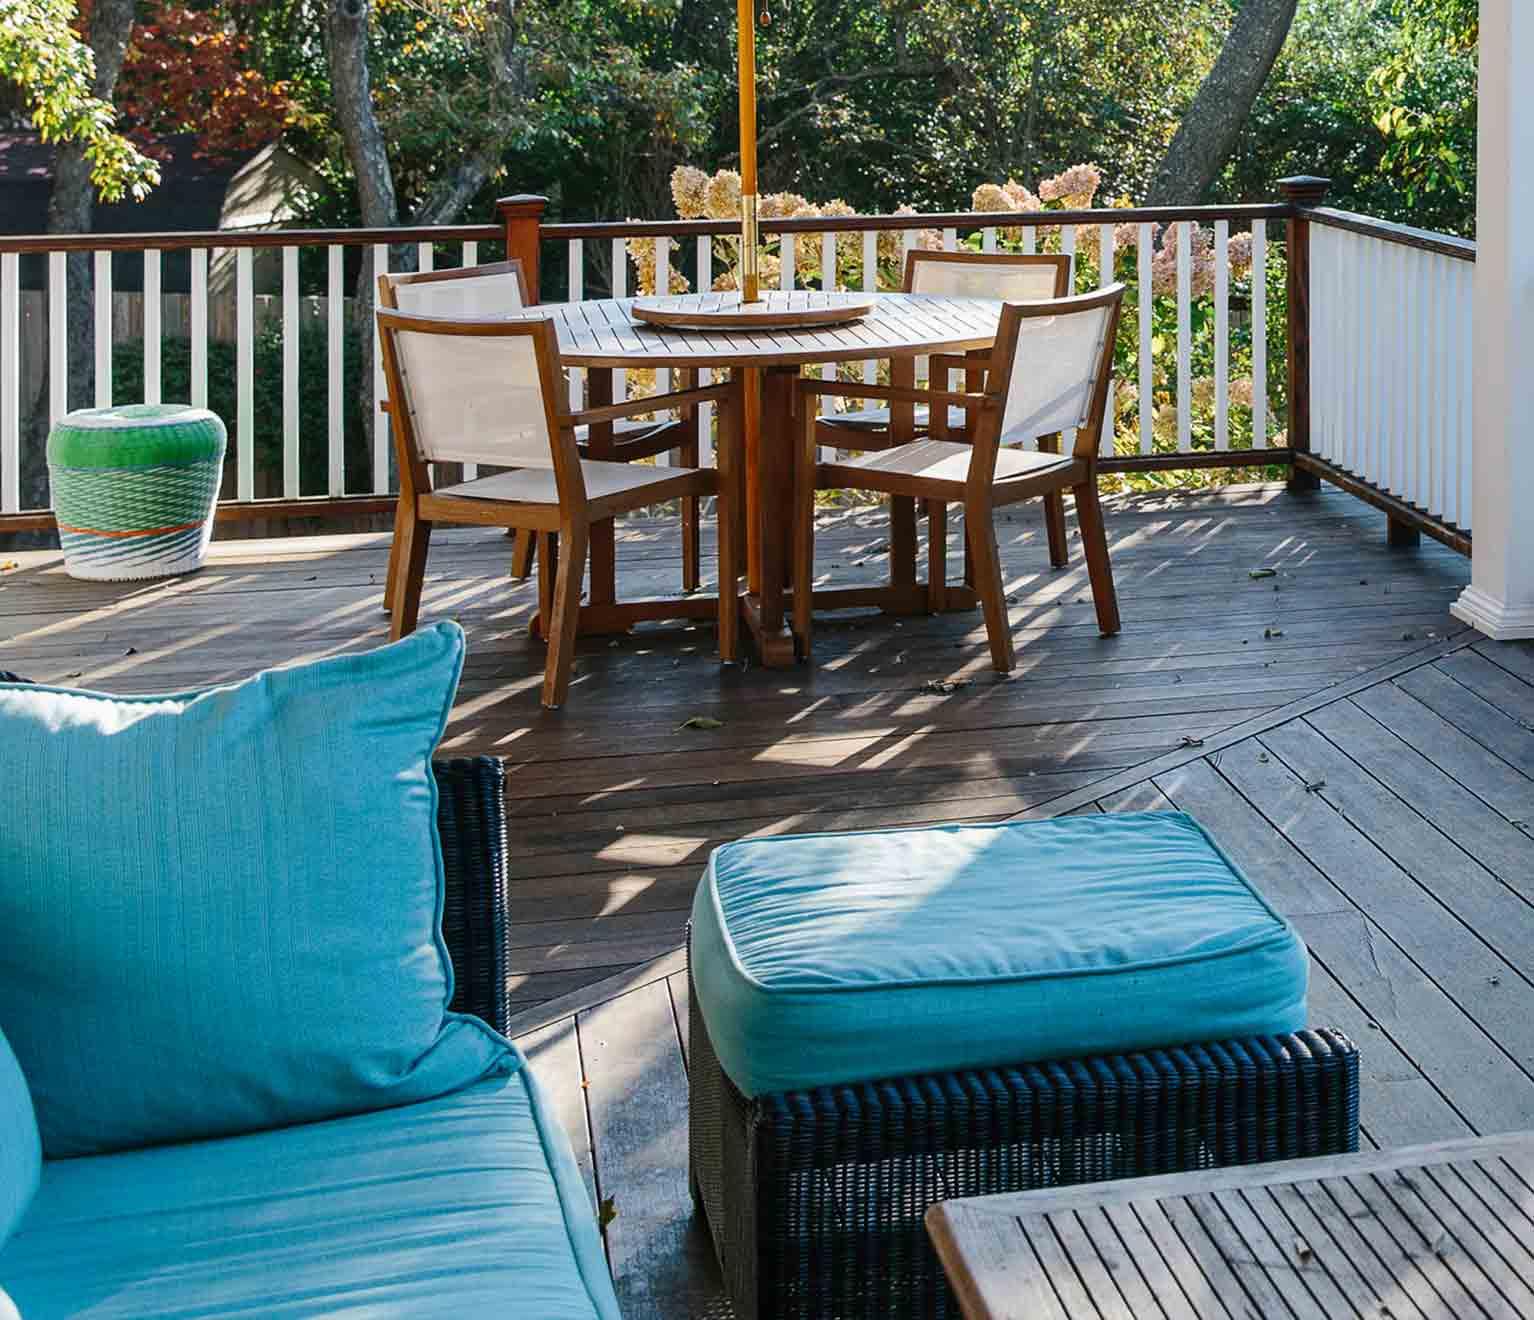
x,y
898,721
1420,951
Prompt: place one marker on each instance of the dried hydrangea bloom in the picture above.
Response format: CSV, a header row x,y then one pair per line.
x,y
642,250
1240,253
721,198
892,241
991,197
1020,198
1073,188
776,206
689,187
1241,392
1201,259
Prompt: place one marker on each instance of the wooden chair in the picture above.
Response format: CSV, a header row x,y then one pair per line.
x,y
1015,278
496,288
491,391
1049,372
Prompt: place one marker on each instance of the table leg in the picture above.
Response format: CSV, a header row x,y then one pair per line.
x,y
768,405
602,556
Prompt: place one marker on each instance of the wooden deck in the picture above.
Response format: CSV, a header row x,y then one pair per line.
x,y
1392,822
899,721
1368,762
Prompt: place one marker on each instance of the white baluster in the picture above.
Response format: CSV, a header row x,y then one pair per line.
x,y
290,333
10,382
1260,334
245,375
1222,334
1147,294
58,336
103,328
335,384
199,327
152,309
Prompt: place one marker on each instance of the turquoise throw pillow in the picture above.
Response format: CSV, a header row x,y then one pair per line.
x,y
222,909
21,1155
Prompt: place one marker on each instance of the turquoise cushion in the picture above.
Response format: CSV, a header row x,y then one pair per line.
x,y
221,909
468,1205
842,957
20,1150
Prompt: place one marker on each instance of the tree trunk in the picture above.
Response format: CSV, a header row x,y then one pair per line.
x,y
1213,124
71,202
346,46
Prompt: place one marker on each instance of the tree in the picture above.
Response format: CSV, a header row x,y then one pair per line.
x,y
71,85
1425,108
1213,123
66,88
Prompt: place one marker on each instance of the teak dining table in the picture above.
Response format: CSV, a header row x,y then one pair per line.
x,y
756,449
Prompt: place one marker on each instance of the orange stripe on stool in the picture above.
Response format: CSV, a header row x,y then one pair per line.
x,y
146,531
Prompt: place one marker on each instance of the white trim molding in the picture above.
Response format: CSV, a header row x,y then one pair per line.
x,y
1498,620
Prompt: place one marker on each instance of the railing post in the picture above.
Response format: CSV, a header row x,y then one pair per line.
x,y
522,216
1304,190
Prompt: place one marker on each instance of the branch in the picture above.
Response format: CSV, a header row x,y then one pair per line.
x,y
819,92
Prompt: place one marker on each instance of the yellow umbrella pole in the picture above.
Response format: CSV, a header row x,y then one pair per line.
x,y
750,275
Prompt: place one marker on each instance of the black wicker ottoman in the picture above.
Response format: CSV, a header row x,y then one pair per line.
x,y
814,1195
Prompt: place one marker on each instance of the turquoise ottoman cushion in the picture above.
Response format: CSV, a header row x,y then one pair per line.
x,y
467,1205
830,958
222,909
20,1148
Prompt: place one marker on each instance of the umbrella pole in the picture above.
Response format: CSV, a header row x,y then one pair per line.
x,y
750,275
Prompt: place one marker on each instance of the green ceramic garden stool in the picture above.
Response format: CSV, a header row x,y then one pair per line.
x,y
134,488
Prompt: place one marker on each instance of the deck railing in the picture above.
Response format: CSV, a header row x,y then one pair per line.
x,y
1391,316
253,322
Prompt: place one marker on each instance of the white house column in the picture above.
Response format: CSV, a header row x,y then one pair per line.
x,y
1500,598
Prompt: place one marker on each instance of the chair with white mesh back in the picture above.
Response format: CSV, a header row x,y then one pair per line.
x,y
499,287
1009,276
1049,372
492,392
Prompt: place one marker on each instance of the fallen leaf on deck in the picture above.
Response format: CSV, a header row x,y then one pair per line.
x,y
701,722
1186,741
1263,573
1272,632
6,565
1315,787
607,1212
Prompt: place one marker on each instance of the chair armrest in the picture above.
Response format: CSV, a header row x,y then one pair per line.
x,y
655,403
471,819
895,393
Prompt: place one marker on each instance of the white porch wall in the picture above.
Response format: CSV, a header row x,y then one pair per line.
x,y
1500,599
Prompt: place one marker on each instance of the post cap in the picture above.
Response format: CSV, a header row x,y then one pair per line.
x,y
522,204
1304,189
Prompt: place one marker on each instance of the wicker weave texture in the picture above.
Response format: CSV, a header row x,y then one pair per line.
x,y
471,819
815,1199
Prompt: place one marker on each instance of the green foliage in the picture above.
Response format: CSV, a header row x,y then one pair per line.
x,y
1425,101
43,56
266,386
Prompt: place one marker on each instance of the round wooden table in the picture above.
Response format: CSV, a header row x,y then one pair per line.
x,y
601,336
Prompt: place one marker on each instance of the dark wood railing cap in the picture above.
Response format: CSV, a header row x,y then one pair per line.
x,y
1304,189
530,204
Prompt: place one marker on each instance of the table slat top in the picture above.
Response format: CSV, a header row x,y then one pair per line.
x,y
1401,1233
601,333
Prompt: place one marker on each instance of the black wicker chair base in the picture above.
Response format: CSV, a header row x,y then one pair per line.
x,y
815,1198
471,820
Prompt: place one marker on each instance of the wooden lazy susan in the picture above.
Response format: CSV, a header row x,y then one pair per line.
x,y
776,310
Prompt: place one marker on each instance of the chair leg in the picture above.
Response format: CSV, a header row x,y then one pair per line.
x,y
980,532
937,555
573,539
548,562
392,576
413,539
1089,514
1054,523
522,555
692,574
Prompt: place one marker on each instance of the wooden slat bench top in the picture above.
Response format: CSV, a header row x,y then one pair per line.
x,y
1424,1231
